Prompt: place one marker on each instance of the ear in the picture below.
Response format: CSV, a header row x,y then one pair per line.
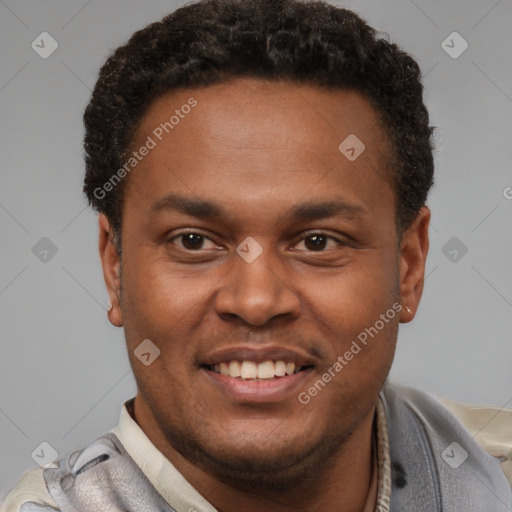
x,y
111,269
413,255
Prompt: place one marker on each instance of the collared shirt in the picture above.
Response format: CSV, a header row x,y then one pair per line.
x,y
177,491
418,412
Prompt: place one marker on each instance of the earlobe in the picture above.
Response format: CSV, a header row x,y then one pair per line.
x,y
413,255
111,269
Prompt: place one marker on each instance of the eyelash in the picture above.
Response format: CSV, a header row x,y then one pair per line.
x,y
305,236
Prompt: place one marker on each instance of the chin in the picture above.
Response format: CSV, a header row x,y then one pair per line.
x,y
273,467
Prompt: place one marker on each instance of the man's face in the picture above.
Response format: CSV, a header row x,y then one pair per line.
x,y
263,153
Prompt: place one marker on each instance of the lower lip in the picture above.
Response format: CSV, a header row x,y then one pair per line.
x,y
272,390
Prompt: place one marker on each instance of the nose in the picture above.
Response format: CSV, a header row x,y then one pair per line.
x,y
257,291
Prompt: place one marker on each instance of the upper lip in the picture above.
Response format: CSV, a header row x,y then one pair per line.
x,y
258,355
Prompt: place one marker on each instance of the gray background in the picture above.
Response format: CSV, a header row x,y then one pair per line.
x,y
63,368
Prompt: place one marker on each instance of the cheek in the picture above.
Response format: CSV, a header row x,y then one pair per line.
x,y
163,293
358,311
166,306
355,296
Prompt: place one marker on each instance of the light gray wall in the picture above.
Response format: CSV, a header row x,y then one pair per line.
x,y
63,368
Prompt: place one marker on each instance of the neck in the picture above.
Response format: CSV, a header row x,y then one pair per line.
x,y
340,483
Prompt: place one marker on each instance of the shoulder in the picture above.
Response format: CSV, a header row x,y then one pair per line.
x,y
490,426
47,489
103,470
29,495
428,444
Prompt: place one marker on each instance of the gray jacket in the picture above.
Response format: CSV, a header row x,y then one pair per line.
x,y
429,470
436,467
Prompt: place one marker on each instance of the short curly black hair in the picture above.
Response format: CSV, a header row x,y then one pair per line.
x,y
212,41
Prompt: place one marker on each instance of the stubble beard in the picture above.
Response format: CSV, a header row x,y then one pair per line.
x,y
286,470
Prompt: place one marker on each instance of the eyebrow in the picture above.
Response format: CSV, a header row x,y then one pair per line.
x,y
205,209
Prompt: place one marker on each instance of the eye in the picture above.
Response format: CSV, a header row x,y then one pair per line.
x,y
318,241
195,241
191,240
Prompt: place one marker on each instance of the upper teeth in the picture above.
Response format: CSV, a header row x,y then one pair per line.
x,y
251,370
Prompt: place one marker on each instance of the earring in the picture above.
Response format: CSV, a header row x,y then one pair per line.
x,y
408,309
110,308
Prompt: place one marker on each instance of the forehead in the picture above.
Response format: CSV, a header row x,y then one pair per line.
x,y
250,111
260,139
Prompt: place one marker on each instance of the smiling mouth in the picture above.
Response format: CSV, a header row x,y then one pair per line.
x,y
253,371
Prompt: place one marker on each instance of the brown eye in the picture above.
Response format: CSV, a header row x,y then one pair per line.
x,y
192,240
315,242
318,242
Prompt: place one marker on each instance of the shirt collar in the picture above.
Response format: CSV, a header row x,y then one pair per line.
x,y
163,475
179,493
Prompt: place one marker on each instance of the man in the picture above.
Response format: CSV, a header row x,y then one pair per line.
x,y
261,171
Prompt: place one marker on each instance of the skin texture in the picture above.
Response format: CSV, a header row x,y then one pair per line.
x,y
258,149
